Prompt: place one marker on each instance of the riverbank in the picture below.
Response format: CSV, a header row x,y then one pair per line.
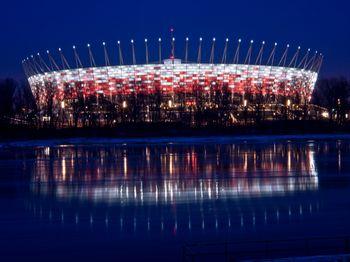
x,y
149,130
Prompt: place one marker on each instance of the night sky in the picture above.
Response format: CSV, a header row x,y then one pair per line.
x,y
28,27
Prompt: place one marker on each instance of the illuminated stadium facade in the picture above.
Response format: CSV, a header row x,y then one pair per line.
x,y
172,89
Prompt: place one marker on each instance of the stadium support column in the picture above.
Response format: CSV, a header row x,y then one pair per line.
x,y
79,86
121,90
79,65
224,53
133,52
105,52
107,65
38,64
67,90
198,91
211,62
157,98
121,61
43,64
134,91
186,50
320,64
29,67
260,99
248,82
24,66
172,56
173,88
309,67
183,106
35,66
52,62
270,62
212,52
304,60
285,94
93,65
64,61
225,92
302,65
91,56
199,56
235,62
145,101
160,50
311,62
249,53
146,50
293,62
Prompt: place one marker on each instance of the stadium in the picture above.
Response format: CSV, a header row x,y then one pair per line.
x,y
235,85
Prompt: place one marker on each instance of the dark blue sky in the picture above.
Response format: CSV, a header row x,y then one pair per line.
x,y
31,26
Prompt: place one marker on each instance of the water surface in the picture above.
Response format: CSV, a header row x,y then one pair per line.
x,y
137,200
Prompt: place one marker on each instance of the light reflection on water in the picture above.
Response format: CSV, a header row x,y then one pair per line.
x,y
173,187
157,196
173,173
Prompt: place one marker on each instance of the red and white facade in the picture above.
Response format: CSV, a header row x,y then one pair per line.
x,y
176,77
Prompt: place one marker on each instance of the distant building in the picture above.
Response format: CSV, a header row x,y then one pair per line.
x,y
175,90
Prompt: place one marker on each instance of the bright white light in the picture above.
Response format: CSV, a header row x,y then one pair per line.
x,y
263,42
239,40
200,39
159,39
73,46
186,38
226,39
132,41
288,45
88,45
118,42
173,39
325,114
288,103
251,41
146,40
103,43
214,39
59,49
275,44
47,51
299,47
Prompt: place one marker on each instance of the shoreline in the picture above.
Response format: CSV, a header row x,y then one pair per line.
x,y
170,132
147,131
171,140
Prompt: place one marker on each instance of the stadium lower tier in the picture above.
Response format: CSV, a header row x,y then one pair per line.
x,y
214,109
